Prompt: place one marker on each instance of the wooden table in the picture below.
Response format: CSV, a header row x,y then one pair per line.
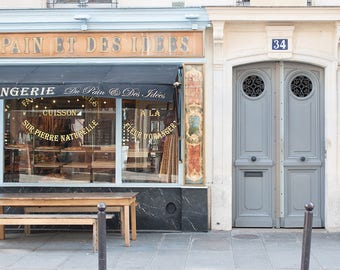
x,y
126,200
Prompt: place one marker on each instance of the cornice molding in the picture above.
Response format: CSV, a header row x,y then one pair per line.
x,y
113,19
274,14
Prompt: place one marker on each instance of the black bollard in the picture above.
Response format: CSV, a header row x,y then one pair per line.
x,y
101,236
307,236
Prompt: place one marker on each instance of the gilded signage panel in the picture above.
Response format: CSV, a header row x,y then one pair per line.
x,y
102,44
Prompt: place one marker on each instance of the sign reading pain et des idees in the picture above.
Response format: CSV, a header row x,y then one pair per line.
x,y
102,44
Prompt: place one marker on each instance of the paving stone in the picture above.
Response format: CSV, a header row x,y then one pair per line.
x,y
248,249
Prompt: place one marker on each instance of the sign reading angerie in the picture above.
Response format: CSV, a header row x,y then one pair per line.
x,y
93,91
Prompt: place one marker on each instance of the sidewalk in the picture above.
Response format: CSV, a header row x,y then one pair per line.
x,y
238,249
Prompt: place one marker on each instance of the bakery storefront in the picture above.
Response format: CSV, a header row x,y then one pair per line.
x,y
107,111
62,123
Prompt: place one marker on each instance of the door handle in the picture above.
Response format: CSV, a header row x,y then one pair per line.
x,y
253,158
302,159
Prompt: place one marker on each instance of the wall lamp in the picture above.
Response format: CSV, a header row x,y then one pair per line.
x,y
84,18
192,16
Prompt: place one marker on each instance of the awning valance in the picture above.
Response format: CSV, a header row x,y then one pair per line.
x,y
146,82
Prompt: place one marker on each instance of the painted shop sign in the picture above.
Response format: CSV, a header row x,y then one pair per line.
x,y
103,90
102,44
89,127
54,137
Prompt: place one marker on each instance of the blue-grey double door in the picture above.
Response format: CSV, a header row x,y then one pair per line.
x,y
278,144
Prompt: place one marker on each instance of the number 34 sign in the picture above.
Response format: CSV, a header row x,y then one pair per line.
x,y
279,44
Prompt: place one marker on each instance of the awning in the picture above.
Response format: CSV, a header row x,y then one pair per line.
x,y
146,82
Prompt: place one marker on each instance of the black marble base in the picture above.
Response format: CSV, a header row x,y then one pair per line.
x,y
159,209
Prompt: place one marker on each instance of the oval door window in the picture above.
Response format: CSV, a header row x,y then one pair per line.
x,y
301,86
253,86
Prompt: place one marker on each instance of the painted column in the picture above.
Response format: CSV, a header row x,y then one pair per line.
x,y
194,116
221,192
332,101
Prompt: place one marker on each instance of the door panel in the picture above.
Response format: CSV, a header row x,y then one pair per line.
x,y
302,186
301,136
254,147
303,157
278,149
254,198
254,123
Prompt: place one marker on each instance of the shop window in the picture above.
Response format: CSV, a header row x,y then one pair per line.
x,y
73,140
149,142
81,1
242,2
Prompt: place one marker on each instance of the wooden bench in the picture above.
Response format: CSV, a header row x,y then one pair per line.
x,y
55,219
125,200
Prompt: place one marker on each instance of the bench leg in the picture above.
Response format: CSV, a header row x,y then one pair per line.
x,y
27,229
2,227
127,225
122,221
95,236
133,222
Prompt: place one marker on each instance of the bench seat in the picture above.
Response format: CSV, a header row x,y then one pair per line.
x,y
73,209
55,219
68,209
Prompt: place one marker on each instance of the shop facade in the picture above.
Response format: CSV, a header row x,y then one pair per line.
x,y
275,75
100,100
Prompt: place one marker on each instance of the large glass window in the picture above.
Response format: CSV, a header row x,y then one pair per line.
x,y
149,142
73,140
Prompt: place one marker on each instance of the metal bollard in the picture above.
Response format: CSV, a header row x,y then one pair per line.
x,y
101,236
307,236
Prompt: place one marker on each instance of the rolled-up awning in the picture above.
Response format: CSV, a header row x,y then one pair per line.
x,y
146,82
